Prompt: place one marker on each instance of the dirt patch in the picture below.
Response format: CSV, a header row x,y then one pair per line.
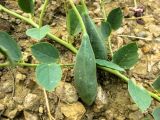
x,y
22,99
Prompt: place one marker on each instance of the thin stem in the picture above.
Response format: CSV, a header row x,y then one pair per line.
x,y
110,46
4,64
135,3
43,12
79,16
22,64
53,37
62,42
47,105
129,36
125,79
135,18
70,47
102,4
18,16
84,5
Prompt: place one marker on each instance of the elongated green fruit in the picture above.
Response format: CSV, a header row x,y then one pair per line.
x,y
85,72
96,39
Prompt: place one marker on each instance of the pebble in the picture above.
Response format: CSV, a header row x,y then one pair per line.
x,y
67,92
157,39
30,116
20,76
41,109
133,107
101,101
73,111
155,30
2,107
11,114
31,102
138,115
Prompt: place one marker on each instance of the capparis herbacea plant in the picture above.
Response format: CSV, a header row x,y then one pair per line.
x,y
92,54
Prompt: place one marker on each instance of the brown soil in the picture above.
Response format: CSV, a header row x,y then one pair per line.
x,y
22,99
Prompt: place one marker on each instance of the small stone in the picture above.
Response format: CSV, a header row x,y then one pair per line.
x,y
136,115
30,116
101,101
7,87
109,115
73,111
157,39
2,95
133,107
41,110
20,76
2,107
18,100
155,30
31,102
67,92
11,114
142,34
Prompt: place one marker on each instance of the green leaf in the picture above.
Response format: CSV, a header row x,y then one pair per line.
x,y
140,95
73,24
45,52
115,18
108,64
26,5
85,72
9,47
156,84
48,75
96,39
126,56
105,29
156,113
38,33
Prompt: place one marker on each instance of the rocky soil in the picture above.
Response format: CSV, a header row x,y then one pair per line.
x,y
22,99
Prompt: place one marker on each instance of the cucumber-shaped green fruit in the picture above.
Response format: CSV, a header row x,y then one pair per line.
x,y
85,72
96,38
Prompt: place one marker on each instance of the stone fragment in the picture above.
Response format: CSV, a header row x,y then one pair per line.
x,y
31,102
30,116
67,92
73,111
101,101
136,115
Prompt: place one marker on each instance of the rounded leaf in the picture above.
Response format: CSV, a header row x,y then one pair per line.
x,y
38,33
26,5
115,18
156,113
140,95
45,52
48,75
126,56
9,47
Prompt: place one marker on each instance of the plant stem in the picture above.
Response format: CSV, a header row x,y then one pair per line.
x,y
32,65
47,105
125,79
110,46
69,46
103,9
135,3
43,12
4,64
78,15
129,36
84,5
28,20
